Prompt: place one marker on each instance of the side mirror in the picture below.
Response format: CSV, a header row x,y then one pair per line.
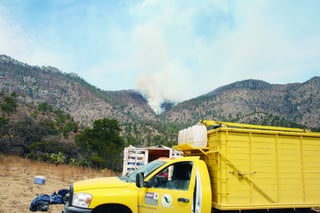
x,y
140,180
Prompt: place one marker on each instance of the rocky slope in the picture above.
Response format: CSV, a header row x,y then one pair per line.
x,y
70,93
297,102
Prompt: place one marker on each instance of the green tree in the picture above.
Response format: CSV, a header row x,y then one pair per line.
x,y
45,107
3,121
65,123
70,126
9,103
102,145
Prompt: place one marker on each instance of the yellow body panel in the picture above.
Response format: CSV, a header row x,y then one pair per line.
x,y
109,190
262,168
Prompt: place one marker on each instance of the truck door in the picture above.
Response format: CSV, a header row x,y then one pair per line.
x,y
170,190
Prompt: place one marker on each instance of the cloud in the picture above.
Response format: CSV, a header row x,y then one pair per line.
x,y
172,50
25,45
268,45
10,36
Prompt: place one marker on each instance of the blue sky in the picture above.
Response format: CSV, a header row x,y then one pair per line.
x,y
173,49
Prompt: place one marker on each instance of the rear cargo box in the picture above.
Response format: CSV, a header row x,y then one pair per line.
x,y
263,168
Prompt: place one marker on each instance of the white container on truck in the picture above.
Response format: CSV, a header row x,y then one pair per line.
x,y
241,168
136,157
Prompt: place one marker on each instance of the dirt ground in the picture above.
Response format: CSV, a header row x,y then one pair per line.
x,y
17,182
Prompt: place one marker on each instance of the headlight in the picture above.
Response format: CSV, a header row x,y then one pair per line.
x,y
82,200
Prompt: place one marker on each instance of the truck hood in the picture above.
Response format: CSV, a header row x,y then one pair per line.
x,y
99,183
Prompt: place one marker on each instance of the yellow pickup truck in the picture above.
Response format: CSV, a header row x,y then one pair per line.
x,y
237,168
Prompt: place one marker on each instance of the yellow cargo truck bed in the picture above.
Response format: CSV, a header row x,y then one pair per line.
x,y
257,167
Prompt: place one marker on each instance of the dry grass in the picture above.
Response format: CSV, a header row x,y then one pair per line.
x,y
17,181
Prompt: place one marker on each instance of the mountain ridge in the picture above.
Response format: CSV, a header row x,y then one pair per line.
x,y
236,100
250,101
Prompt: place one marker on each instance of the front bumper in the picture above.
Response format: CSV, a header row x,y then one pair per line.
x,y
72,209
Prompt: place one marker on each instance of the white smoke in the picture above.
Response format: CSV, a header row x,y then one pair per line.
x,y
164,80
172,83
161,76
150,87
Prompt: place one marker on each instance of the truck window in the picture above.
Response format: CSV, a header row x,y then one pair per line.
x,y
147,169
176,176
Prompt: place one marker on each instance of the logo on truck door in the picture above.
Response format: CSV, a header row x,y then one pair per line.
x,y
166,200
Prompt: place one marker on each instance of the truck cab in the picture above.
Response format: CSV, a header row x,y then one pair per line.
x,y
164,185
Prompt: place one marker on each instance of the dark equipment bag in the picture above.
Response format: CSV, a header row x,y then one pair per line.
x,y
42,201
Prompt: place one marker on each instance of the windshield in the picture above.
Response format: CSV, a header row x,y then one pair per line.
x,y
147,169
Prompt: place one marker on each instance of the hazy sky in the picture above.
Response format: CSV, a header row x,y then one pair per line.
x,y
174,49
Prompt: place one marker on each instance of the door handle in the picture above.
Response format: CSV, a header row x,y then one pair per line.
x,y
183,200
